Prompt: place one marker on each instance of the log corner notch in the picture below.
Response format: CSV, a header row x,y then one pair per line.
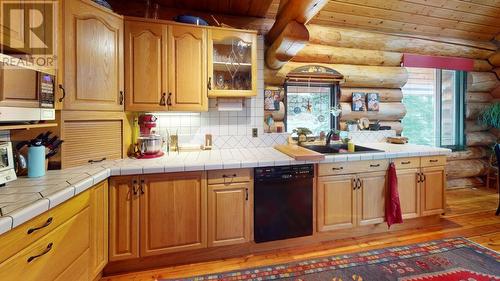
x,y
289,35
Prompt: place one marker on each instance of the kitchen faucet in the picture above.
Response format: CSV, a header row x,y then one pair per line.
x,y
329,137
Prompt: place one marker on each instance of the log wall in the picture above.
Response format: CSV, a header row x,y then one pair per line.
x,y
370,62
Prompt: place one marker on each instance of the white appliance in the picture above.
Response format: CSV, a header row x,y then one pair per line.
x,y
27,96
7,172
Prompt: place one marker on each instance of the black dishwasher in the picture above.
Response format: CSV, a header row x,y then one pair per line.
x,y
283,202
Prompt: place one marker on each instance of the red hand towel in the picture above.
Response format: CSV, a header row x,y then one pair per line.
x,y
392,205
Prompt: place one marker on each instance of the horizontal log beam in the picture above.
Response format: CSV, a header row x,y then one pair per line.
x,y
482,81
480,139
301,11
385,95
478,97
472,110
497,72
479,152
475,126
466,168
496,92
293,39
314,53
495,59
358,39
389,111
482,65
354,75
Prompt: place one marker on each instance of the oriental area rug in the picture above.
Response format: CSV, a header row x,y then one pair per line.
x,y
454,259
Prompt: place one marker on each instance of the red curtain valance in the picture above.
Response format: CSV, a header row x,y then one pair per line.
x,y
412,60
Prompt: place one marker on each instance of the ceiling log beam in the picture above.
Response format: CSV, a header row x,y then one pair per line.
x,y
293,39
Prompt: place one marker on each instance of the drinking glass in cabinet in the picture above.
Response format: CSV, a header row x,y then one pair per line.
x,y
232,64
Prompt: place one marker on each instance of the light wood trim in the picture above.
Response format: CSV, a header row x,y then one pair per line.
x,y
99,228
230,176
218,34
123,219
223,216
69,241
18,238
432,161
407,163
352,167
27,126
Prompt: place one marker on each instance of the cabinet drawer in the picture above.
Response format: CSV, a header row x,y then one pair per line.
x,y
229,176
407,163
432,161
48,257
352,167
20,237
78,270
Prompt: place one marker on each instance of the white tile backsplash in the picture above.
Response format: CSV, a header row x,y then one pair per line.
x,y
231,129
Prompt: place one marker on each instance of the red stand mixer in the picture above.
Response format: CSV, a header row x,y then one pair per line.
x,y
149,144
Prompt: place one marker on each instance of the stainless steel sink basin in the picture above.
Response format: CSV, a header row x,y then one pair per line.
x,y
339,149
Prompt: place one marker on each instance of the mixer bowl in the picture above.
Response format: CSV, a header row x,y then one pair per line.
x,y
151,144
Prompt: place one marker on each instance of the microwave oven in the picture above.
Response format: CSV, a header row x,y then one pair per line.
x,y
26,95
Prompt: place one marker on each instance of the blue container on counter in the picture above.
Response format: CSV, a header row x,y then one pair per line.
x,y
36,160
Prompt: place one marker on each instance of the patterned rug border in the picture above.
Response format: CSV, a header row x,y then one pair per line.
x,y
340,261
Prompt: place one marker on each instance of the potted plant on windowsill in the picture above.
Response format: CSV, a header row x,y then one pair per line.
x,y
352,125
491,116
302,134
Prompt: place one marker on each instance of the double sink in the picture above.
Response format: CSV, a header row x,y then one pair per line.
x,y
339,149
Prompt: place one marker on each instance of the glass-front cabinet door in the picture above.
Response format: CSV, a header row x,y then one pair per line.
x,y
232,63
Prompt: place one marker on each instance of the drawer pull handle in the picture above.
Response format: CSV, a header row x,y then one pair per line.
x,y
229,176
49,247
338,169
97,161
406,163
433,160
47,223
374,165
63,92
142,186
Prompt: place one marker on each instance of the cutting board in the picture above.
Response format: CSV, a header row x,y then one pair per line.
x,y
299,153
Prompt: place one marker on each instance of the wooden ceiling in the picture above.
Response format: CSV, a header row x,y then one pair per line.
x,y
466,19
249,8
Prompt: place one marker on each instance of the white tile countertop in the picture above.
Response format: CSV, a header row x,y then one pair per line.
x,y
26,198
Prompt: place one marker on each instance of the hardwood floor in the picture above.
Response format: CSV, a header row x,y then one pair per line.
x,y
470,213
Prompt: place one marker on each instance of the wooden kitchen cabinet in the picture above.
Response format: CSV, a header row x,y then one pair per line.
x,y
145,66
13,36
409,192
187,68
336,203
229,218
98,228
123,218
432,190
232,63
93,57
173,213
371,194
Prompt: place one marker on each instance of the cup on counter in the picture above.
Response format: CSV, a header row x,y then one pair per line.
x,y
36,161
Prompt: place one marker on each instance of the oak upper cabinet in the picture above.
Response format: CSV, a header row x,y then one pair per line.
x,y
371,192
13,36
433,184
93,57
187,64
232,63
409,192
98,228
123,218
337,202
229,219
146,73
173,213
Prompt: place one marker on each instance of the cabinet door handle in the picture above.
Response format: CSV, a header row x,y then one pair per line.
x,y
63,92
47,223
169,99
433,160
338,169
121,97
49,247
418,177
142,186
355,184
163,101
360,183
374,165
246,194
97,161
134,187
406,162
209,84
423,177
